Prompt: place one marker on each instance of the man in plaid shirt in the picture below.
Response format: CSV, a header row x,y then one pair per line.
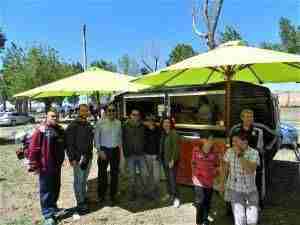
x,y
240,189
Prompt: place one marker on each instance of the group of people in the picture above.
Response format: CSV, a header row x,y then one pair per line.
x,y
146,147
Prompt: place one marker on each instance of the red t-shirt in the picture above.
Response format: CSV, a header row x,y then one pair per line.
x,y
204,167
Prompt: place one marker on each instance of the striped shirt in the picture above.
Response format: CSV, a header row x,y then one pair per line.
x,y
237,179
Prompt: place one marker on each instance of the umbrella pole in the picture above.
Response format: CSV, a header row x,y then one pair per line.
x,y
228,76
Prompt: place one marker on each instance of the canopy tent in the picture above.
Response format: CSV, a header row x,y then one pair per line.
x,y
226,63
91,81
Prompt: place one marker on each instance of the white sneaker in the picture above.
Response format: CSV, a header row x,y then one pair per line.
x,y
176,203
210,219
76,216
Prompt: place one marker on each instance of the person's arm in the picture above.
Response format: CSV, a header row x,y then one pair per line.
x,y
89,154
70,142
97,136
249,164
193,161
35,151
101,154
224,169
175,147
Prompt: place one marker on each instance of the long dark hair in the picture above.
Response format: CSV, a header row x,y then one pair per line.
x,y
171,120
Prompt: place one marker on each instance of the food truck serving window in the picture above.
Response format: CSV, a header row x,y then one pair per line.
x,y
201,108
146,103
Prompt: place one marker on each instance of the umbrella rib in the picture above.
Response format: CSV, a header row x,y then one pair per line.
x,y
292,65
172,78
255,74
209,76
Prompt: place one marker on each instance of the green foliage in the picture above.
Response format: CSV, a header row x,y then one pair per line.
x,y
106,65
289,35
271,46
128,65
2,40
230,34
180,52
24,69
290,38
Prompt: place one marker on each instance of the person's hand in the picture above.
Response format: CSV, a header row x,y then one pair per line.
x,y
36,172
102,155
222,188
171,164
73,163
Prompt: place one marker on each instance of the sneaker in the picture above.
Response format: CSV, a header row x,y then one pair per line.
x,y
176,203
83,209
76,216
50,221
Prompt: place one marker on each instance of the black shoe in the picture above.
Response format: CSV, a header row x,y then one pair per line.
x,y
83,209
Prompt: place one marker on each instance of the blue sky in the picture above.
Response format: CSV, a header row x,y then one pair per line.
x,y
116,27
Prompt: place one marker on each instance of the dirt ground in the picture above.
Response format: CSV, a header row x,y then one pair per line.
x,y
19,200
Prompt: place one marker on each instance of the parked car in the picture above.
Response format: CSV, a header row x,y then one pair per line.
x,y
15,118
289,135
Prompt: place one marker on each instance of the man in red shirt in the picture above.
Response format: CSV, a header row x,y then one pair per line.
x,y
46,155
204,169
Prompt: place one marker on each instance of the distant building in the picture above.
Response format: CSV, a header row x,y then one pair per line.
x,y
289,98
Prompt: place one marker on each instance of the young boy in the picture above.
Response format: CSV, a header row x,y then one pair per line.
x,y
204,169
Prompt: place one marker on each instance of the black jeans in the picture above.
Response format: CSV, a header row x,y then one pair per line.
x,y
49,192
202,203
170,174
113,159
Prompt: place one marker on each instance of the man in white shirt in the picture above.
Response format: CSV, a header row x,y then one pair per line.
x,y
108,141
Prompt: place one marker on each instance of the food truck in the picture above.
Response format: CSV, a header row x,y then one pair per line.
x,y
199,112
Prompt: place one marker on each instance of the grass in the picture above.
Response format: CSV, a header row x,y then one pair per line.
x,y
19,201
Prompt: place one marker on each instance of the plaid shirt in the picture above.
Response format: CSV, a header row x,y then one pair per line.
x,y
237,179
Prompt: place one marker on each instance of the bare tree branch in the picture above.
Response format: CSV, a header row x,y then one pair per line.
x,y
196,31
150,57
211,10
147,66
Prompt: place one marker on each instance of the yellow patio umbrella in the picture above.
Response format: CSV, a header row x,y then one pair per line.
x,y
91,81
226,63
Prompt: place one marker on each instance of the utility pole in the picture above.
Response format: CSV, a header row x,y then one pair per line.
x,y
84,47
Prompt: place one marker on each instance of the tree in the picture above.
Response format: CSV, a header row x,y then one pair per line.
x,y
271,46
25,69
102,64
128,65
289,36
180,52
2,40
211,11
230,34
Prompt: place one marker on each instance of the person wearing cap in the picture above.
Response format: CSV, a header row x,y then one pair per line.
x,y
108,142
152,143
80,137
240,163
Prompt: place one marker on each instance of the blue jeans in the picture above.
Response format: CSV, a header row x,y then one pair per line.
x,y
80,183
137,162
49,193
170,174
153,165
202,203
